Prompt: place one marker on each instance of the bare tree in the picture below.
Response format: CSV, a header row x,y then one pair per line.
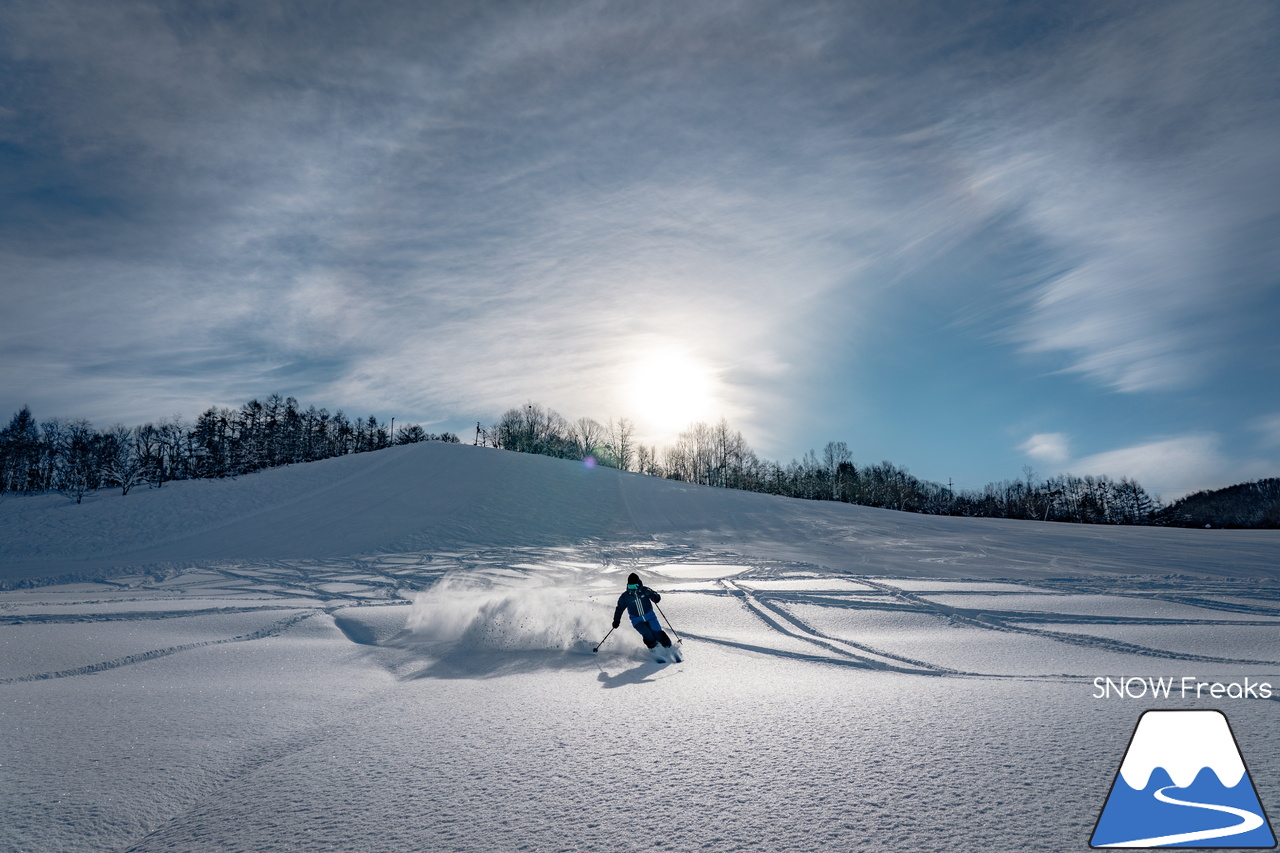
x,y
121,466
591,438
622,442
77,469
411,434
647,460
834,455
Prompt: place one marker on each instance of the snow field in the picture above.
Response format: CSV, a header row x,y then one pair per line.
x,y
97,761
969,649
836,585
32,650
698,571
469,719
432,687
731,758
940,585
1249,642
1091,605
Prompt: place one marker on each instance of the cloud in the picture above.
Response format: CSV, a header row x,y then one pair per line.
x,y
1168,468
1049,448
408,208
1133,152
1174,467
516,210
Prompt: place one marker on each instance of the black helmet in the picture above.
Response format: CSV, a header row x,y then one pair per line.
x,y
633,578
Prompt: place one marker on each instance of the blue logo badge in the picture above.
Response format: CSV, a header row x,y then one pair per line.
x,y
1183,783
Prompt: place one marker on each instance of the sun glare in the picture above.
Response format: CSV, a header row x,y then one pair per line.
x,y
669,390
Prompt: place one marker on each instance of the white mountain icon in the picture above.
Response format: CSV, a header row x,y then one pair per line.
x,y
1183,743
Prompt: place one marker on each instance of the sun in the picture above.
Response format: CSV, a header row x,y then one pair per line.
x,y
669,389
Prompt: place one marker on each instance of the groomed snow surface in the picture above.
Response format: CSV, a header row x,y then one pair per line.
x,y
392,652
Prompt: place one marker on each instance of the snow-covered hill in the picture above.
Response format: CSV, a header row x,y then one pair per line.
x,y
392,652
435,496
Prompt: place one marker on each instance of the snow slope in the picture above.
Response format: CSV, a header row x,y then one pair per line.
x,y
437,496
393,652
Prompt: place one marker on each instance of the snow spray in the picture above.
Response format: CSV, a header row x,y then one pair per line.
x,y
513,614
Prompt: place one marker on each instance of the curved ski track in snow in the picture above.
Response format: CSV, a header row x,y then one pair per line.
x,y
311,587
266,626
272,630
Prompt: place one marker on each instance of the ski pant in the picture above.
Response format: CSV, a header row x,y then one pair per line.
x,y
650,631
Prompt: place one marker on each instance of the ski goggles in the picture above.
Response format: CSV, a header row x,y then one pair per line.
x,y
633,586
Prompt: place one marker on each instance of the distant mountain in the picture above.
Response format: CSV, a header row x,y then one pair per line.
x,y
1254,504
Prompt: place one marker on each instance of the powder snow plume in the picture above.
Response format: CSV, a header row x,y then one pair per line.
x,y
507,614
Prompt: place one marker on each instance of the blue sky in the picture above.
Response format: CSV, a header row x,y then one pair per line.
x,y
962,237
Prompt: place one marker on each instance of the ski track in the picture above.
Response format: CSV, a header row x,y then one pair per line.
x,y
352,591
272,630
310,587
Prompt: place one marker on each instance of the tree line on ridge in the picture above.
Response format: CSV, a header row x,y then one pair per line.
x,y
72,457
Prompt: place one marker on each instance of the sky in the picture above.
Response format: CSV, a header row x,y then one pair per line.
x,y
966,238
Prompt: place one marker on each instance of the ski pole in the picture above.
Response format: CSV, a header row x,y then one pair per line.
x,y
601,643
669,625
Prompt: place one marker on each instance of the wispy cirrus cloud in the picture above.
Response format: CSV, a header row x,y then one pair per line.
x,y
1169,468
1174,467
1136,158
514,222
444,211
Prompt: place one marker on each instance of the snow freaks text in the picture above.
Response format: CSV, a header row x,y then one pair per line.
x,y
1184,687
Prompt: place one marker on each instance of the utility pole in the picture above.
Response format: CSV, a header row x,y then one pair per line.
x,y
393,432
951,498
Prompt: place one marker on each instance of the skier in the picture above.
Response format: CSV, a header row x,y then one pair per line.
x,y
638,600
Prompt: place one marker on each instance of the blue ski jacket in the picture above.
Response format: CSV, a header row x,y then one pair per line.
x,y
638,603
